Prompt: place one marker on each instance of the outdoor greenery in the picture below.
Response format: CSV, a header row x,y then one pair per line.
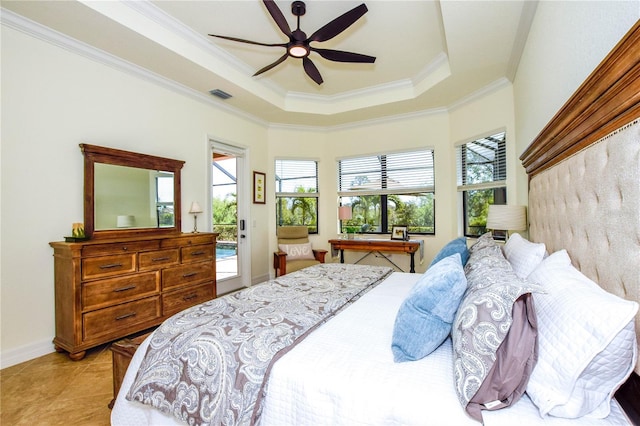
x,y
477,204
225,217
416,211
298,210
165,217
481,162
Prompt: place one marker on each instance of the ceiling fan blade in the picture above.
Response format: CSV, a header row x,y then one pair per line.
x,y
277,16
311,70
339,24
342,56
241,40
268,67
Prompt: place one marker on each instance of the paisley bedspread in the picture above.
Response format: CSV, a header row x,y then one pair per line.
x,y
207,365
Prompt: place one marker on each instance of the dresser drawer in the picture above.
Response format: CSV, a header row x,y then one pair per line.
x,y
108,292
178,300
112,321
191,273
189,240
197,253
158,259
105,266
120,247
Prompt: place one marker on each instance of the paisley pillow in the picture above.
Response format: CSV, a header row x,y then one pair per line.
x,y
494,333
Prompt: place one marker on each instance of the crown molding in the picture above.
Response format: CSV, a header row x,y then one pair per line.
x,y
480,93
362,123
390,119
269,91
48,35
160,17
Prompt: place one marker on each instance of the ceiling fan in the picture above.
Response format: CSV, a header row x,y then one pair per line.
x,y
299,45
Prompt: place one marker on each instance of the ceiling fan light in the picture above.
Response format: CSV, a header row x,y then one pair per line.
x,y
298,51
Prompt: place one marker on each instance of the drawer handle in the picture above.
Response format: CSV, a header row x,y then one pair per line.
x,y
121,317
111,266
197,253
131,287
190,297
190,274
160,259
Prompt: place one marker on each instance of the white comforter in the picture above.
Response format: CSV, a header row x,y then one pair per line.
x,y
344,374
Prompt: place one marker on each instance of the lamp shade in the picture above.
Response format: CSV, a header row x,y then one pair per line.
x,y
344,212
507,217
195,208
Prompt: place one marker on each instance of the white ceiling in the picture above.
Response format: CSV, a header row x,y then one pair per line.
x,y
430,54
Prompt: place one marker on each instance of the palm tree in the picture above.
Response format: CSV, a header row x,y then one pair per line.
x,y
305,206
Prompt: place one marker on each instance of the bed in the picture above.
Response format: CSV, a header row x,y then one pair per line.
x,y
584,169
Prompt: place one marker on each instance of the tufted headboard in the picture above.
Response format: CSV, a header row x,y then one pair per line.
x,y
584,175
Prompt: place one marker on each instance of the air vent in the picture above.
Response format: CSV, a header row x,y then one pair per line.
x,y
220,93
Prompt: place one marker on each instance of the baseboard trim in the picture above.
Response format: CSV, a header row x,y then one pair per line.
x,y
260,279
25,353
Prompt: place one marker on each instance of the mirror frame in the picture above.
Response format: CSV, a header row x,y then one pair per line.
x,y
97,154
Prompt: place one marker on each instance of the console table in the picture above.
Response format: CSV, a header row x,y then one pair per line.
x,y
377,246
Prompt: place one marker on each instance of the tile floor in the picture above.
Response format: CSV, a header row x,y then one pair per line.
x,y
53,390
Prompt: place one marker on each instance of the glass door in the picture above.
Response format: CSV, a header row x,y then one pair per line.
x,y
228,204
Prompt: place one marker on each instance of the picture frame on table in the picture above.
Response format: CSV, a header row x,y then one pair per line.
x,y
259,182
399,232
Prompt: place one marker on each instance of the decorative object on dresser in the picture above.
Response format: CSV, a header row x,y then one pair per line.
x,y
194,210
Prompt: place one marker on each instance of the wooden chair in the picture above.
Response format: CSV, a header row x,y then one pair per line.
x,y
292,235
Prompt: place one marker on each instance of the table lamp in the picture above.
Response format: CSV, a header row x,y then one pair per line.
x,y
344,213
194,210
503,217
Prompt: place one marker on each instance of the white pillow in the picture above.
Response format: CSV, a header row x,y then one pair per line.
x,y
297,251
523,255
586,342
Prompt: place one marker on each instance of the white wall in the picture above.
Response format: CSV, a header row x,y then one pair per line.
x,y
491,113
439,129
567,41
52,100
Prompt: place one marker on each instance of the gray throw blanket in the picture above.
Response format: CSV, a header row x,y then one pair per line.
x,y
208,365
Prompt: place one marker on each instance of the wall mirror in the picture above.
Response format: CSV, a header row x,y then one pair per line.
x,y
130,194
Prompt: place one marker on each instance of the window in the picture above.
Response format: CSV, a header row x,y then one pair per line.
x,y
164,199
297,193
482,175
388,189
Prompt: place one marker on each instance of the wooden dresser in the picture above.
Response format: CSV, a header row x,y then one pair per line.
x,y
108,289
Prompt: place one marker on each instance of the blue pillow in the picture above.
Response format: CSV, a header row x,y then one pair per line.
x,y
459,245
424,319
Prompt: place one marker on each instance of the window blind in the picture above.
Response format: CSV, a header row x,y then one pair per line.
x,y
296,176
481,164
395,173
